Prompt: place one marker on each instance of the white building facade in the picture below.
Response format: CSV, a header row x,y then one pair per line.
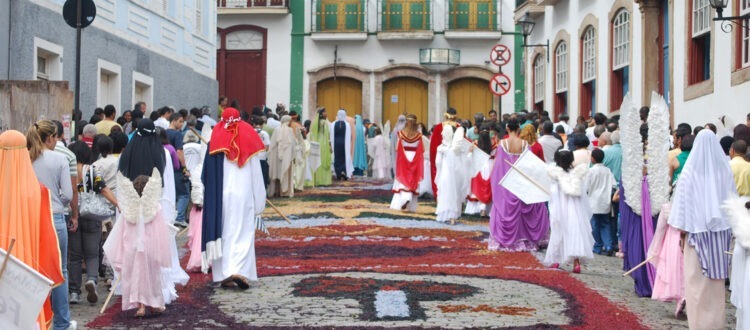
x,y
364,55
601,50
157,51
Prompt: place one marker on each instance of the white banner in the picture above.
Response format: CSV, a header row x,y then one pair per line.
x,y
22,294
528,180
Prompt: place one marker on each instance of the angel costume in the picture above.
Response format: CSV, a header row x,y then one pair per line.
x,y
641,196
341,136
739,219
514,225
705,183
453,177
409,171
569,217
235,197
665,254
138,246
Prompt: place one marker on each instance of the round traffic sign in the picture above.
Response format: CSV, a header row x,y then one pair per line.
x,y
88,12
500,84
500,55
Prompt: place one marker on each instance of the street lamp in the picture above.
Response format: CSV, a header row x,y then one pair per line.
x,y
527,26
719,6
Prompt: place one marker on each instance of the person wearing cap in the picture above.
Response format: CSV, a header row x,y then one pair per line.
x,y
410,168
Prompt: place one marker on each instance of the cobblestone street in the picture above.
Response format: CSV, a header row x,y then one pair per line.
x,y
348,261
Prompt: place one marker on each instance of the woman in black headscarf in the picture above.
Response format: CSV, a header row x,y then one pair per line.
x,y
144,152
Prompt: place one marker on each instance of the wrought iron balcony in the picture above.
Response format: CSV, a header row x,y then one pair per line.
x,y
404,15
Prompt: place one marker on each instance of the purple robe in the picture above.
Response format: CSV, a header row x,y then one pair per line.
x,y
514,225
631,235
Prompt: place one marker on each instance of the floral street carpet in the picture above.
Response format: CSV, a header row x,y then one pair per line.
x,y
349,261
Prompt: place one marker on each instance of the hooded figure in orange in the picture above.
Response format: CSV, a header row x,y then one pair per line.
x,y
26,215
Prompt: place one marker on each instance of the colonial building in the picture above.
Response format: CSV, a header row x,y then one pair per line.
x,y
601,50
158,51
378,58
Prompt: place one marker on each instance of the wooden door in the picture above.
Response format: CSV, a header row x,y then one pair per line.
x,y
404,95
340,93
246,78
470,96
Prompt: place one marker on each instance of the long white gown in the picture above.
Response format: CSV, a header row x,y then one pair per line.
x,y
569,217
243,201
174,275
739,217
425,186
453,176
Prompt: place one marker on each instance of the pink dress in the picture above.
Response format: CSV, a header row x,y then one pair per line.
x,y
138,246
667,258
194,240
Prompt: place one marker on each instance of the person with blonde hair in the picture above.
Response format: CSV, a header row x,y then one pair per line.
x,y
27,216
53,172
410,168
528,134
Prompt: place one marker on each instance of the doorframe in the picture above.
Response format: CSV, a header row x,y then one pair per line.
x,y
461,72
391,72
222,52
341,70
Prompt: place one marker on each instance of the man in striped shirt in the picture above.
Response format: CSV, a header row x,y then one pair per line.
x,y
71,212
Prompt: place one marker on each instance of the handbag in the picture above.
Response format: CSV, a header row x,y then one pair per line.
x,y
92,205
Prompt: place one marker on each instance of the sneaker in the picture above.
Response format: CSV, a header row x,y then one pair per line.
x,y
180,224
91,295
74,298
73,325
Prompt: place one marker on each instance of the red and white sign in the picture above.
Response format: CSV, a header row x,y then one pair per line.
x,y
500,84
500,55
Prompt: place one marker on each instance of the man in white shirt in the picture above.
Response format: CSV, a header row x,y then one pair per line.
x,y
207,117
163,120
600,183
549,142
564,123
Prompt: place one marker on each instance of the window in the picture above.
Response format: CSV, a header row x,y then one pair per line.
x,y
744,36
539,73
340,15
108,89
48,63
589,55
699,47
142,88
472,15
405,15
620,73
198,17
561,79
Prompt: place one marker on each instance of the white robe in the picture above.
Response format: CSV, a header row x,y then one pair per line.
x,y
402,195
381,157
243,201
174,275
453,177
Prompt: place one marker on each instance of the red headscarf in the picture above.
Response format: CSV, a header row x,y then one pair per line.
x,y
235,138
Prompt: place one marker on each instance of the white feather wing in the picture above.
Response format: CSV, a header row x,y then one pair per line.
x,y
657,150
632,153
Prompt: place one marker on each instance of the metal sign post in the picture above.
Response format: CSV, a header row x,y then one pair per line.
x,y
78,14
500,84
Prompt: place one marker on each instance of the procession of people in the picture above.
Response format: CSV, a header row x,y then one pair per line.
x,y
608,186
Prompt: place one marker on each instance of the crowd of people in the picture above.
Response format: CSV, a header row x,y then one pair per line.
x,y
124,189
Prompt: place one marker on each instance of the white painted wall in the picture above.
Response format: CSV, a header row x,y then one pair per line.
x,y
569,14
278,54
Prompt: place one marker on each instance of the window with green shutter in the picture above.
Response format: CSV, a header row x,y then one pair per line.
x,y
405,15
340,15
473,15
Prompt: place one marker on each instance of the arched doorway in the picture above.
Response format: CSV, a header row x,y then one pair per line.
x,y
404,94
469,96
340,93
241,67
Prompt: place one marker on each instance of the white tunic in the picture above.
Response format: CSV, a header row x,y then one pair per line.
x,y
244,199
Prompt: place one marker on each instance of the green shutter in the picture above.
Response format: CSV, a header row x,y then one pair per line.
x,y
331,17
461,16
483,16
353,17
416,16
396,16
319,16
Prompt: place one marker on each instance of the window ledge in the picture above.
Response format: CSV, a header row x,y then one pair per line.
x,y
251,10
411,35
702,88
473,34
353,36
740,76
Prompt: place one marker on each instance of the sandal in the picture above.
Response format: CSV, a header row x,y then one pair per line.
x,y
141,312
157,311
241,282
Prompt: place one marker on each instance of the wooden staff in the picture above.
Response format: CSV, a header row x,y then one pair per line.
x,y
277,211
726,252
7,257
109,297
638,266
198,134
527,177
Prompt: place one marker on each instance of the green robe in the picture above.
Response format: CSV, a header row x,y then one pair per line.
x,y
321,134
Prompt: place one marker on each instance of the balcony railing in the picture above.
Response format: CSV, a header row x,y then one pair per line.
x,y
339,15
473,15
404,15
260,4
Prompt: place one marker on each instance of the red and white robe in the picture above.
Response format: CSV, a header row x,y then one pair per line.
x,y
409,172
480,198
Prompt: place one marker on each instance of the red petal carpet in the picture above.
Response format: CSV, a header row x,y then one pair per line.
x,y
377,268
